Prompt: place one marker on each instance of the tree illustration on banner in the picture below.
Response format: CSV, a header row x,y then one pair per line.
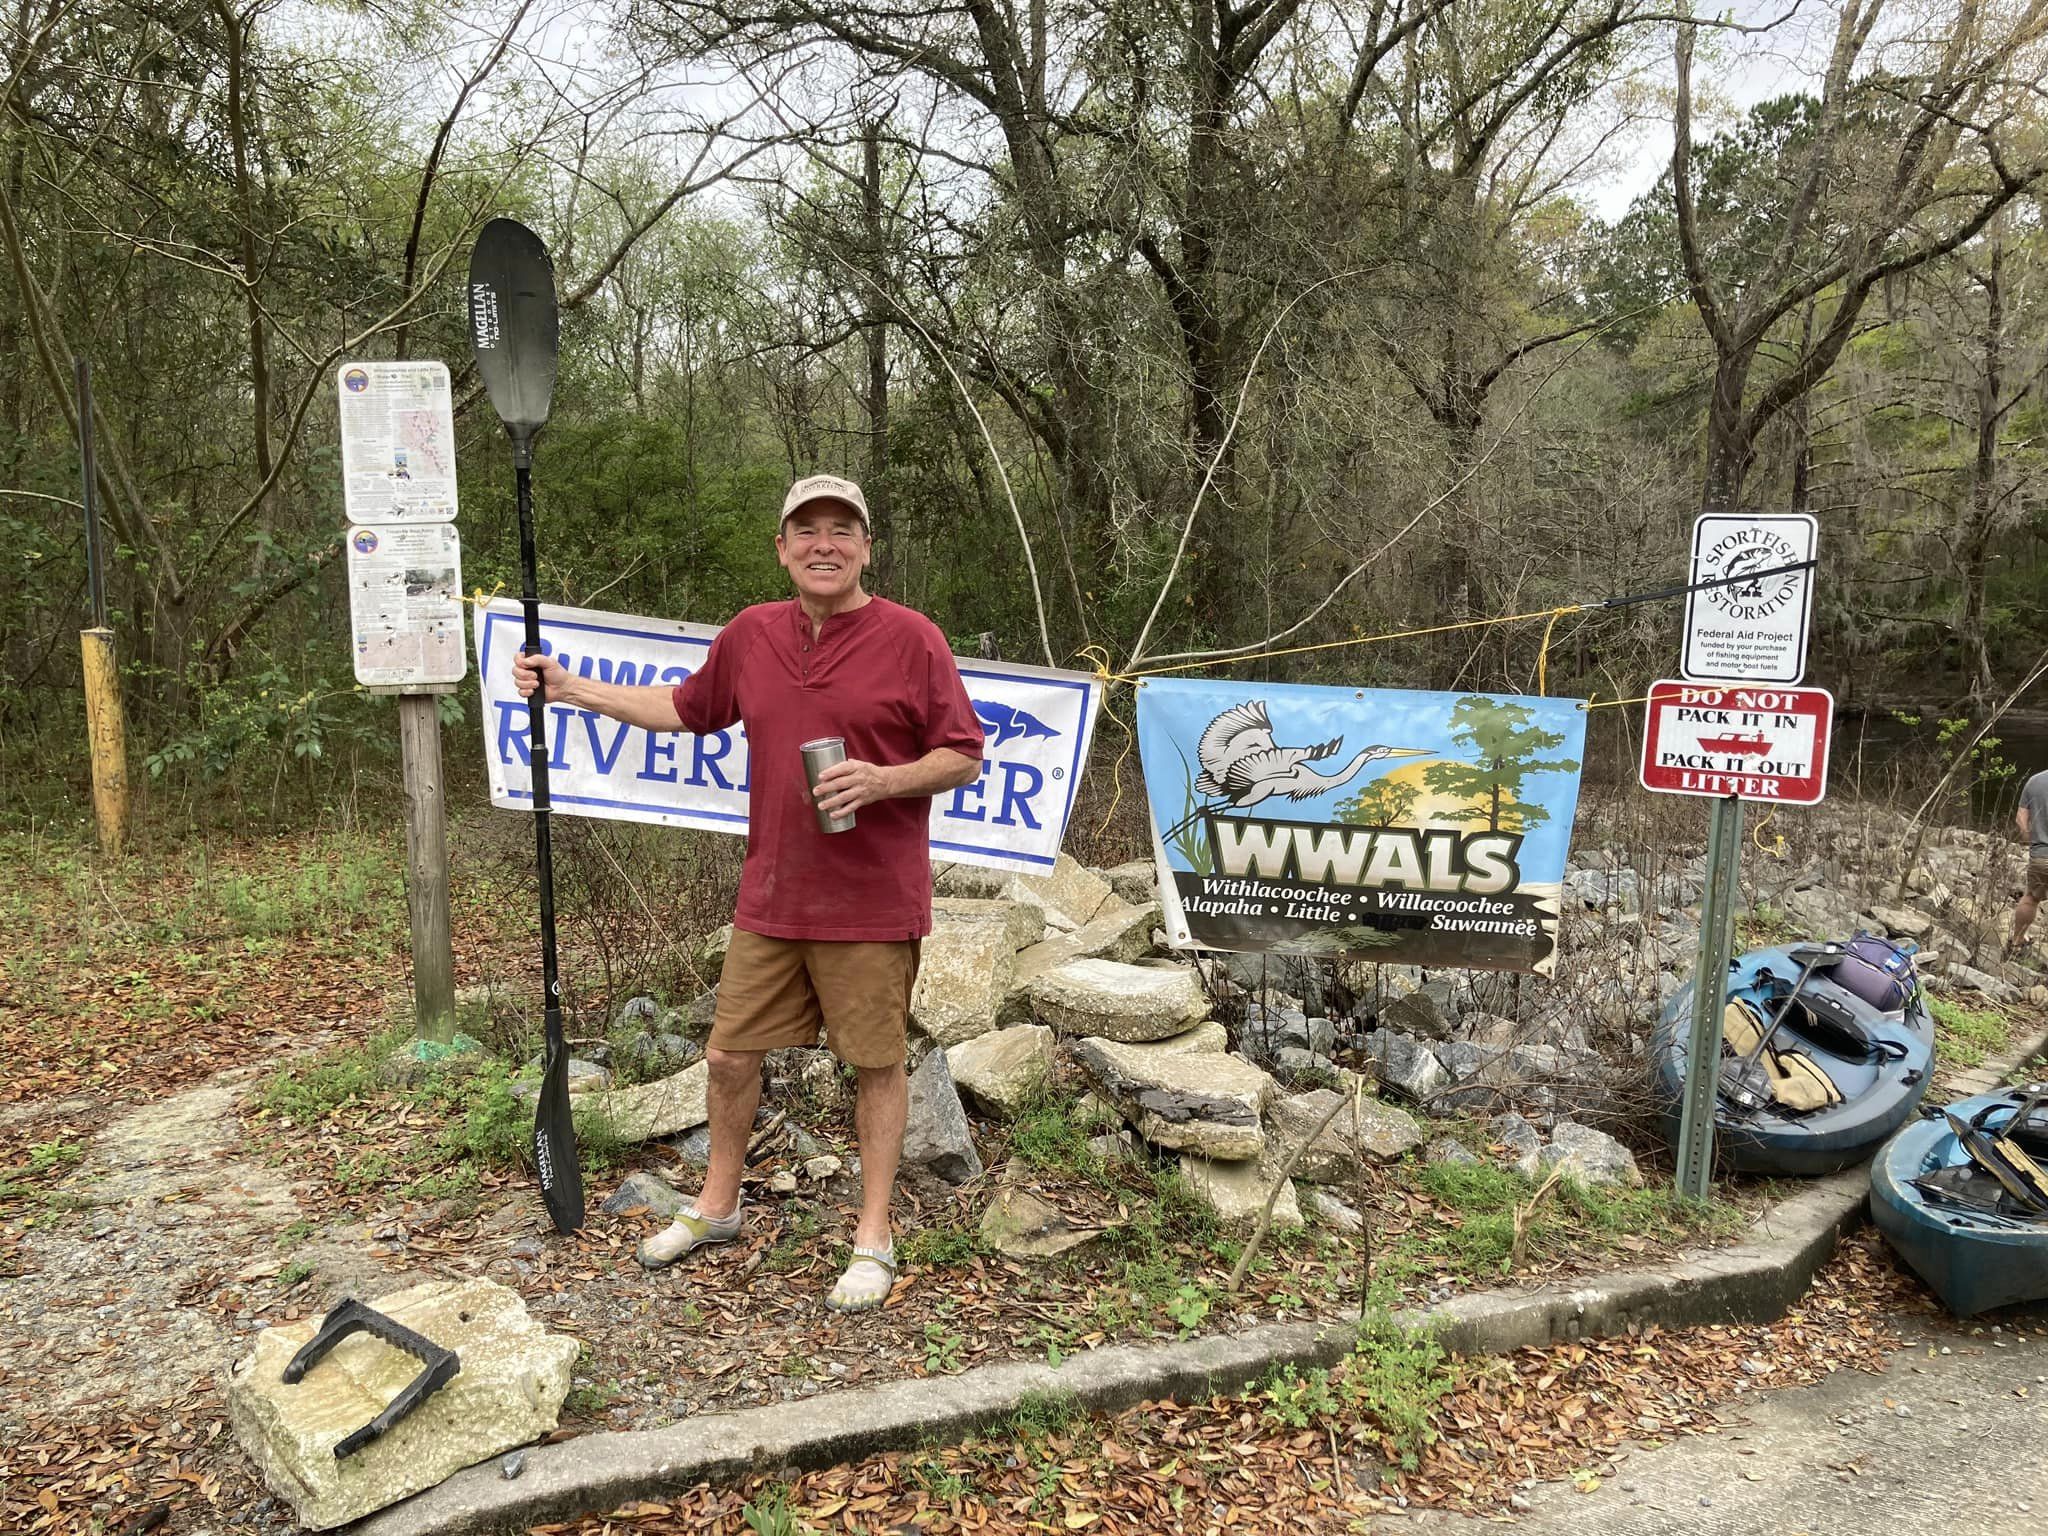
x,y
1508,750
1382,803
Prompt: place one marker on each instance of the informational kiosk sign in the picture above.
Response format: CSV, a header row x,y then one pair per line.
x,y
405,605
1756,743
397,442
1749,625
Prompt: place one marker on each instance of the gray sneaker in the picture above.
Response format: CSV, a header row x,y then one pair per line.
x,y
689,1230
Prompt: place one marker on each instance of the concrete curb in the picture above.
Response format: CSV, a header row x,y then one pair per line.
x,y
1754,1281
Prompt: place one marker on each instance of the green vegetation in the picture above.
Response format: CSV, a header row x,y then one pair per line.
x,y
944,1247
1963,1037
942,1349
1388,1385
1482,1200
769,1514
1048,1133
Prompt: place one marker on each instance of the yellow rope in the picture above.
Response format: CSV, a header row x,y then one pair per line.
x,y
1776,848
1543,652
1104,674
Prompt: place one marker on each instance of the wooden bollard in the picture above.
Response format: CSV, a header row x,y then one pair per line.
x,y
107,736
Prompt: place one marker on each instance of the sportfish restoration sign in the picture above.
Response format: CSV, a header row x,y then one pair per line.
x,y
1405,827
1036,723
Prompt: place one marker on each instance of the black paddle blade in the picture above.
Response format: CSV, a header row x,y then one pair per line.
x,y
554,1135
514,327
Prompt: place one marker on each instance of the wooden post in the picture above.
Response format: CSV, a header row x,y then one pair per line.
x,y
426,857
106,733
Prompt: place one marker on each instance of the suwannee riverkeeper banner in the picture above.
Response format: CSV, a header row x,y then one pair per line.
x,y
1406,827
1035,722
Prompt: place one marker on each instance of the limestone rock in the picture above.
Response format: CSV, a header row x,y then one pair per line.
x,y
966,969
1417,1013
1448,1150
1903,922
1118,1002
1297,1063
1183,1100
1021,1225
1378,1130
999,1072
509,1390
584,1077
1590,1156
1118,932
1236,1191
937,1136
710,956
649,1190
1968,976
1407,1065
1068,897
667,1106
823,1085
1523,1142
657,1055
1326,1210
1136,882
1207,1037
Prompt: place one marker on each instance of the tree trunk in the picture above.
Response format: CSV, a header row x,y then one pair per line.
x,y
1976,541
875,318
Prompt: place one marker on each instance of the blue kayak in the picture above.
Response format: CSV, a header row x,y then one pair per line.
x,y
1974,1244
1809,1083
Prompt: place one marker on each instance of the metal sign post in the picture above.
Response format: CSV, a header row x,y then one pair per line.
x,y
1709,997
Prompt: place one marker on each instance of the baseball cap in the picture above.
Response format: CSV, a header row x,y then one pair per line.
x,y
825,488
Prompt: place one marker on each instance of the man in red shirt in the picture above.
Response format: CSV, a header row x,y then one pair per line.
x,y
828,926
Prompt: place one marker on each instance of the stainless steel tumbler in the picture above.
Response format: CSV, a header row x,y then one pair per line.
x,y
818,756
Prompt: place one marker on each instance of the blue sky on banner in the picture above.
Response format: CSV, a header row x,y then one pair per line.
x,y
1036,724
1418,728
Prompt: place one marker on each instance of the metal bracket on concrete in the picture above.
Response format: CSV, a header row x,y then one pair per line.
x,y
352,1316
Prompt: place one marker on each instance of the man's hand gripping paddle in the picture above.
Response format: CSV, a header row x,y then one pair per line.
x,y
514,332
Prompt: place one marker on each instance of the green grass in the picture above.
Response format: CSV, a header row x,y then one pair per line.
x,y
1574,1217
1047,1133
1963,1037
946,1247
1389,1385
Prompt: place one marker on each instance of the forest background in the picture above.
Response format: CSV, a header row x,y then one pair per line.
x,y
1180,329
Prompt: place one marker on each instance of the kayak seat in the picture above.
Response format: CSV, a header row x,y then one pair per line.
x,y
1797,1082
1826,1025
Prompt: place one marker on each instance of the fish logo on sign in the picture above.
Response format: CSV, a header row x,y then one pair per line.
x,y
1003,723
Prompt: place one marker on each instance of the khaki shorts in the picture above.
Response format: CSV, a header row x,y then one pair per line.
x,y
776,993
2037,879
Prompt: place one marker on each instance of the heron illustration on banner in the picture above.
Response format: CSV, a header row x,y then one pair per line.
x,y
1241,764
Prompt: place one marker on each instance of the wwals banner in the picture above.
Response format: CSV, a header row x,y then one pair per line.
x,y
1411,828
1035,722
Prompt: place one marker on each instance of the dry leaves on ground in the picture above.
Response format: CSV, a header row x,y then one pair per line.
x,y
1167,1467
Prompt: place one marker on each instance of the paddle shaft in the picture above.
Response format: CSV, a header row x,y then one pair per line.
x,y
537,718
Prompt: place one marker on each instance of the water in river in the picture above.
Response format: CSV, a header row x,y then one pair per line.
x,y
1882,756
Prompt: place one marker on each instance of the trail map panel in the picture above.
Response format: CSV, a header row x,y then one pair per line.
x,y
1749,630
397,442
1753,742
405,605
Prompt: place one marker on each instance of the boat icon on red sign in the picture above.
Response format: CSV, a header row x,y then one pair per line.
x,y
1740,745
